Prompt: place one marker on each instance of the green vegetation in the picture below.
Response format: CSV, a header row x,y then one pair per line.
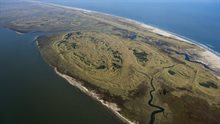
x,y
118,59
141,56
209,84
171,72
113,66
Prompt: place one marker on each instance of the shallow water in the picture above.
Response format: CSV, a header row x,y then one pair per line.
x,y
31,92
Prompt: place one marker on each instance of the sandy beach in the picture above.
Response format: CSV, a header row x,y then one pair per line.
x,y
112,106
210,58
207,56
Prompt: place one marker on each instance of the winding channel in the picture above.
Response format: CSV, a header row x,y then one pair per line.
x,y
159,109
188,57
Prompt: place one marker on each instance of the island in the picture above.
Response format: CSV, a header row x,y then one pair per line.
x,y
141,73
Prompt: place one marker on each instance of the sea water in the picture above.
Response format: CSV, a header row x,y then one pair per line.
x,y
198,20
32,93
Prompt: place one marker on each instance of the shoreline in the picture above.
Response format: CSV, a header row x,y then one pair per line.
x,y
207,56
207,53
113,107
150,27
109,105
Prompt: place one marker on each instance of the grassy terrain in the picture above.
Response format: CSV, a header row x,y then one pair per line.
x,y
118,59
122,69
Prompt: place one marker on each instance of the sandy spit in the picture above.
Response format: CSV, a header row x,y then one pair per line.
x,y
207,56
112,106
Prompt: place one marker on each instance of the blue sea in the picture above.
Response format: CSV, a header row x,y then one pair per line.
x,y
198,20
